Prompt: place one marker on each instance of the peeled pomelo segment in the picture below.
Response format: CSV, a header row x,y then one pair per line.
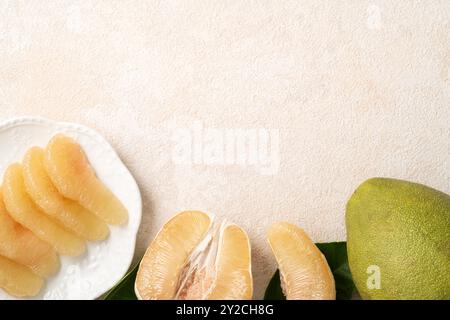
x,y
304,271
73,176
160,269
233,280
23,210
193,258
17,280
68,212
198,275
22,246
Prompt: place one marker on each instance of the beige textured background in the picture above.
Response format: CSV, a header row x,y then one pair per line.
x,y
355,88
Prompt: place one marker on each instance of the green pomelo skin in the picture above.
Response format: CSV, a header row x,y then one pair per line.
x,y
404,229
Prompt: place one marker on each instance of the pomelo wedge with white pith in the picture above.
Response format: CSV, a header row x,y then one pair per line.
x,y
68,212
192,257
24,211
234,279
17,280
22,246
71,173
304,271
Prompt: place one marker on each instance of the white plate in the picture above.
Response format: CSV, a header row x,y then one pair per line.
x,y
104,263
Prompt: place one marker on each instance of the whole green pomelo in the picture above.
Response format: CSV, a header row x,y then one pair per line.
x,y
398,240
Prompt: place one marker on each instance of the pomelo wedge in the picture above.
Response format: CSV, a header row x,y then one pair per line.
x,y
22,246
304,271
17,280
194,258
73,176
24,211
68,212
234,278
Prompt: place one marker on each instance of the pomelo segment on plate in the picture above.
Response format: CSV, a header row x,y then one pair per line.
x,y
24,211
194,258
17,280
49,205
304,271
68,212
73,176
22,246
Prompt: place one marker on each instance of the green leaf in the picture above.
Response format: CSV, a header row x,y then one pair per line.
x,y
124,290
273,291
336,255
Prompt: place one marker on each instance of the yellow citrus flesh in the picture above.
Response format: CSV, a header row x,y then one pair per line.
x,y
17,280
22,246
233,278
23,210
68,212
304,271
73,176
159,273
